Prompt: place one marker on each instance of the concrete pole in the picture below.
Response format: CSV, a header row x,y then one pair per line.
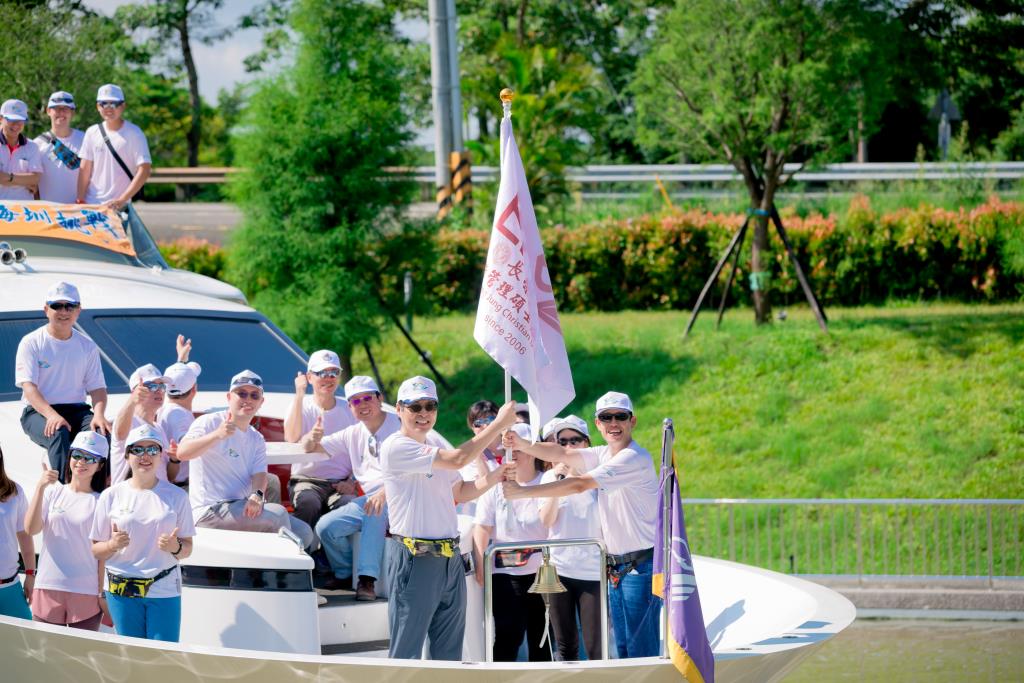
x,y
440,81
454,81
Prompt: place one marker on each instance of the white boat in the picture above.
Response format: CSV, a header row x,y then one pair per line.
x,y
249,608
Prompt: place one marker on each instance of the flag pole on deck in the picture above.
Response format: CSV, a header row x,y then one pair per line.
x,y
506,96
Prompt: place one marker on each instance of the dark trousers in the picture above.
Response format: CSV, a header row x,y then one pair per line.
x,y
517,613
581,598
78,415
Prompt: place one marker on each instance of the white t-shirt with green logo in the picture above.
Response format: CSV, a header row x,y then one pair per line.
x,y
224,470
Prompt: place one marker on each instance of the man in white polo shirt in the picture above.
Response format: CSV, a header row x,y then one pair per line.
x,y
627,503
58,151
228,470
321,486
115,155
20,165
56,366
423,568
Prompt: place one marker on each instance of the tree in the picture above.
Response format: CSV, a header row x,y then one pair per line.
x,y
315,204
759,83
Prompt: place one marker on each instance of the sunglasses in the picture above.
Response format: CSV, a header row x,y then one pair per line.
x,y
62,100
88,458
426,406
332,374
365,399
154,387
110,105
618,417
371,446
248,381
483,421
151,451
249,395
62,306
572,441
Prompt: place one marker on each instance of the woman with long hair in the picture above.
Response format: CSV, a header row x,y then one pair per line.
x,y
14,596
69,587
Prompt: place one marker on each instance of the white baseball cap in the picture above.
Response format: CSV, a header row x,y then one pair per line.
x,y
415,389
14,110
92,443
360,384
570,422
146,432
523,430
147,373
613,400
246,378
62,291
181,377
61,98
323,359
548,429
109,93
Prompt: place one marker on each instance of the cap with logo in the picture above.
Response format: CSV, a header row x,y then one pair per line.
x,y
246,378
416,389
360,384
146,432
61,98
109,93
147,373
613,400
14,110
62,292
571,422
181,377
92,443
323,359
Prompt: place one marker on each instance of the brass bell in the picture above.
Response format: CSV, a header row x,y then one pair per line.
x,y
546,581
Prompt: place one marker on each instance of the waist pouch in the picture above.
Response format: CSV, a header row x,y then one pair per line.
x,y
131,587
443,547
504,559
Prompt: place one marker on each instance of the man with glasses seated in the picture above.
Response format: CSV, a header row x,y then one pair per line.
x,y
115,155
423,565
627,504
149,386
319,487
228,470
56,366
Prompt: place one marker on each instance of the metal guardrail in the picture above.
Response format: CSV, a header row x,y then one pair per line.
x,y
971,538
199,175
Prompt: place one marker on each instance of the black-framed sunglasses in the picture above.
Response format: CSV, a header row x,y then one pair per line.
x,y
248,381
87,458
365,399
62,306
140,451
249,395
110,105
483,421
154,387
572,441
332,374
426,406
617,417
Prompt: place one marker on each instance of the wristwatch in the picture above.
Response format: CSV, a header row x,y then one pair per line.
x,y
259,493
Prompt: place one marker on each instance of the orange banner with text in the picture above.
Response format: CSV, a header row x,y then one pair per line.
x,y
75,222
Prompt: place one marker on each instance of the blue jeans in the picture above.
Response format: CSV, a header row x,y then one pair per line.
x,y
335,528
635,612
152,618
12,601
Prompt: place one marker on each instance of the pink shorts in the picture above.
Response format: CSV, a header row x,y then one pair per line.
x,y
62,607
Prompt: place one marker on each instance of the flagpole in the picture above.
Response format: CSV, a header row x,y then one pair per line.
x,y
506,96
668,436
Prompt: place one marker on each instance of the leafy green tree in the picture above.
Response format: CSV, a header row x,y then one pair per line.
x,y
313,140
758,83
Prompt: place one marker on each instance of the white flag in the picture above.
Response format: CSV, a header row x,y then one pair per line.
x,y
517,321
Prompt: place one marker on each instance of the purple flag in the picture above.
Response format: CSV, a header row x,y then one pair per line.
x,y
687,638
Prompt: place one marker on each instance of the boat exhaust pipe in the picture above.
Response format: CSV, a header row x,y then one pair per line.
x,y
9,256
20,255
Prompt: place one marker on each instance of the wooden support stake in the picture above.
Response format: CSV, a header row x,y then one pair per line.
x,y
714,276
804,284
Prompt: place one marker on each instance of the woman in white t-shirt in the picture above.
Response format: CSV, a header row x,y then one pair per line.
x,y
516,612
14,596
142,528
579,567
69,587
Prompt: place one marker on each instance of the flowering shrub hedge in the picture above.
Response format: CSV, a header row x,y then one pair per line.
x,y
199,256
661,261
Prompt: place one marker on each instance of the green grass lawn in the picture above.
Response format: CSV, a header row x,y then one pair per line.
x,y
900,401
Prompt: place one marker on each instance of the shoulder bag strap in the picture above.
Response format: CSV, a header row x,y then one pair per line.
x,y
117,157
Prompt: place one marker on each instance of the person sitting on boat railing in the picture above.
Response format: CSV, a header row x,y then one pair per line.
x,y
627,503
20,163
58,151
69,587
578,567
148,386
228,467
141,529
320,486
175,416
423,567
517,613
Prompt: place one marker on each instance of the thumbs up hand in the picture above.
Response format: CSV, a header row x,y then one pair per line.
x,y
228,427
169,542
317,432
118,539
49,476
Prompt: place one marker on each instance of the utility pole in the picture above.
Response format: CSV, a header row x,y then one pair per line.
x,y
449,158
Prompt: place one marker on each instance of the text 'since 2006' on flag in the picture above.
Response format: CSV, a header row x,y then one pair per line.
x,y
517,320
